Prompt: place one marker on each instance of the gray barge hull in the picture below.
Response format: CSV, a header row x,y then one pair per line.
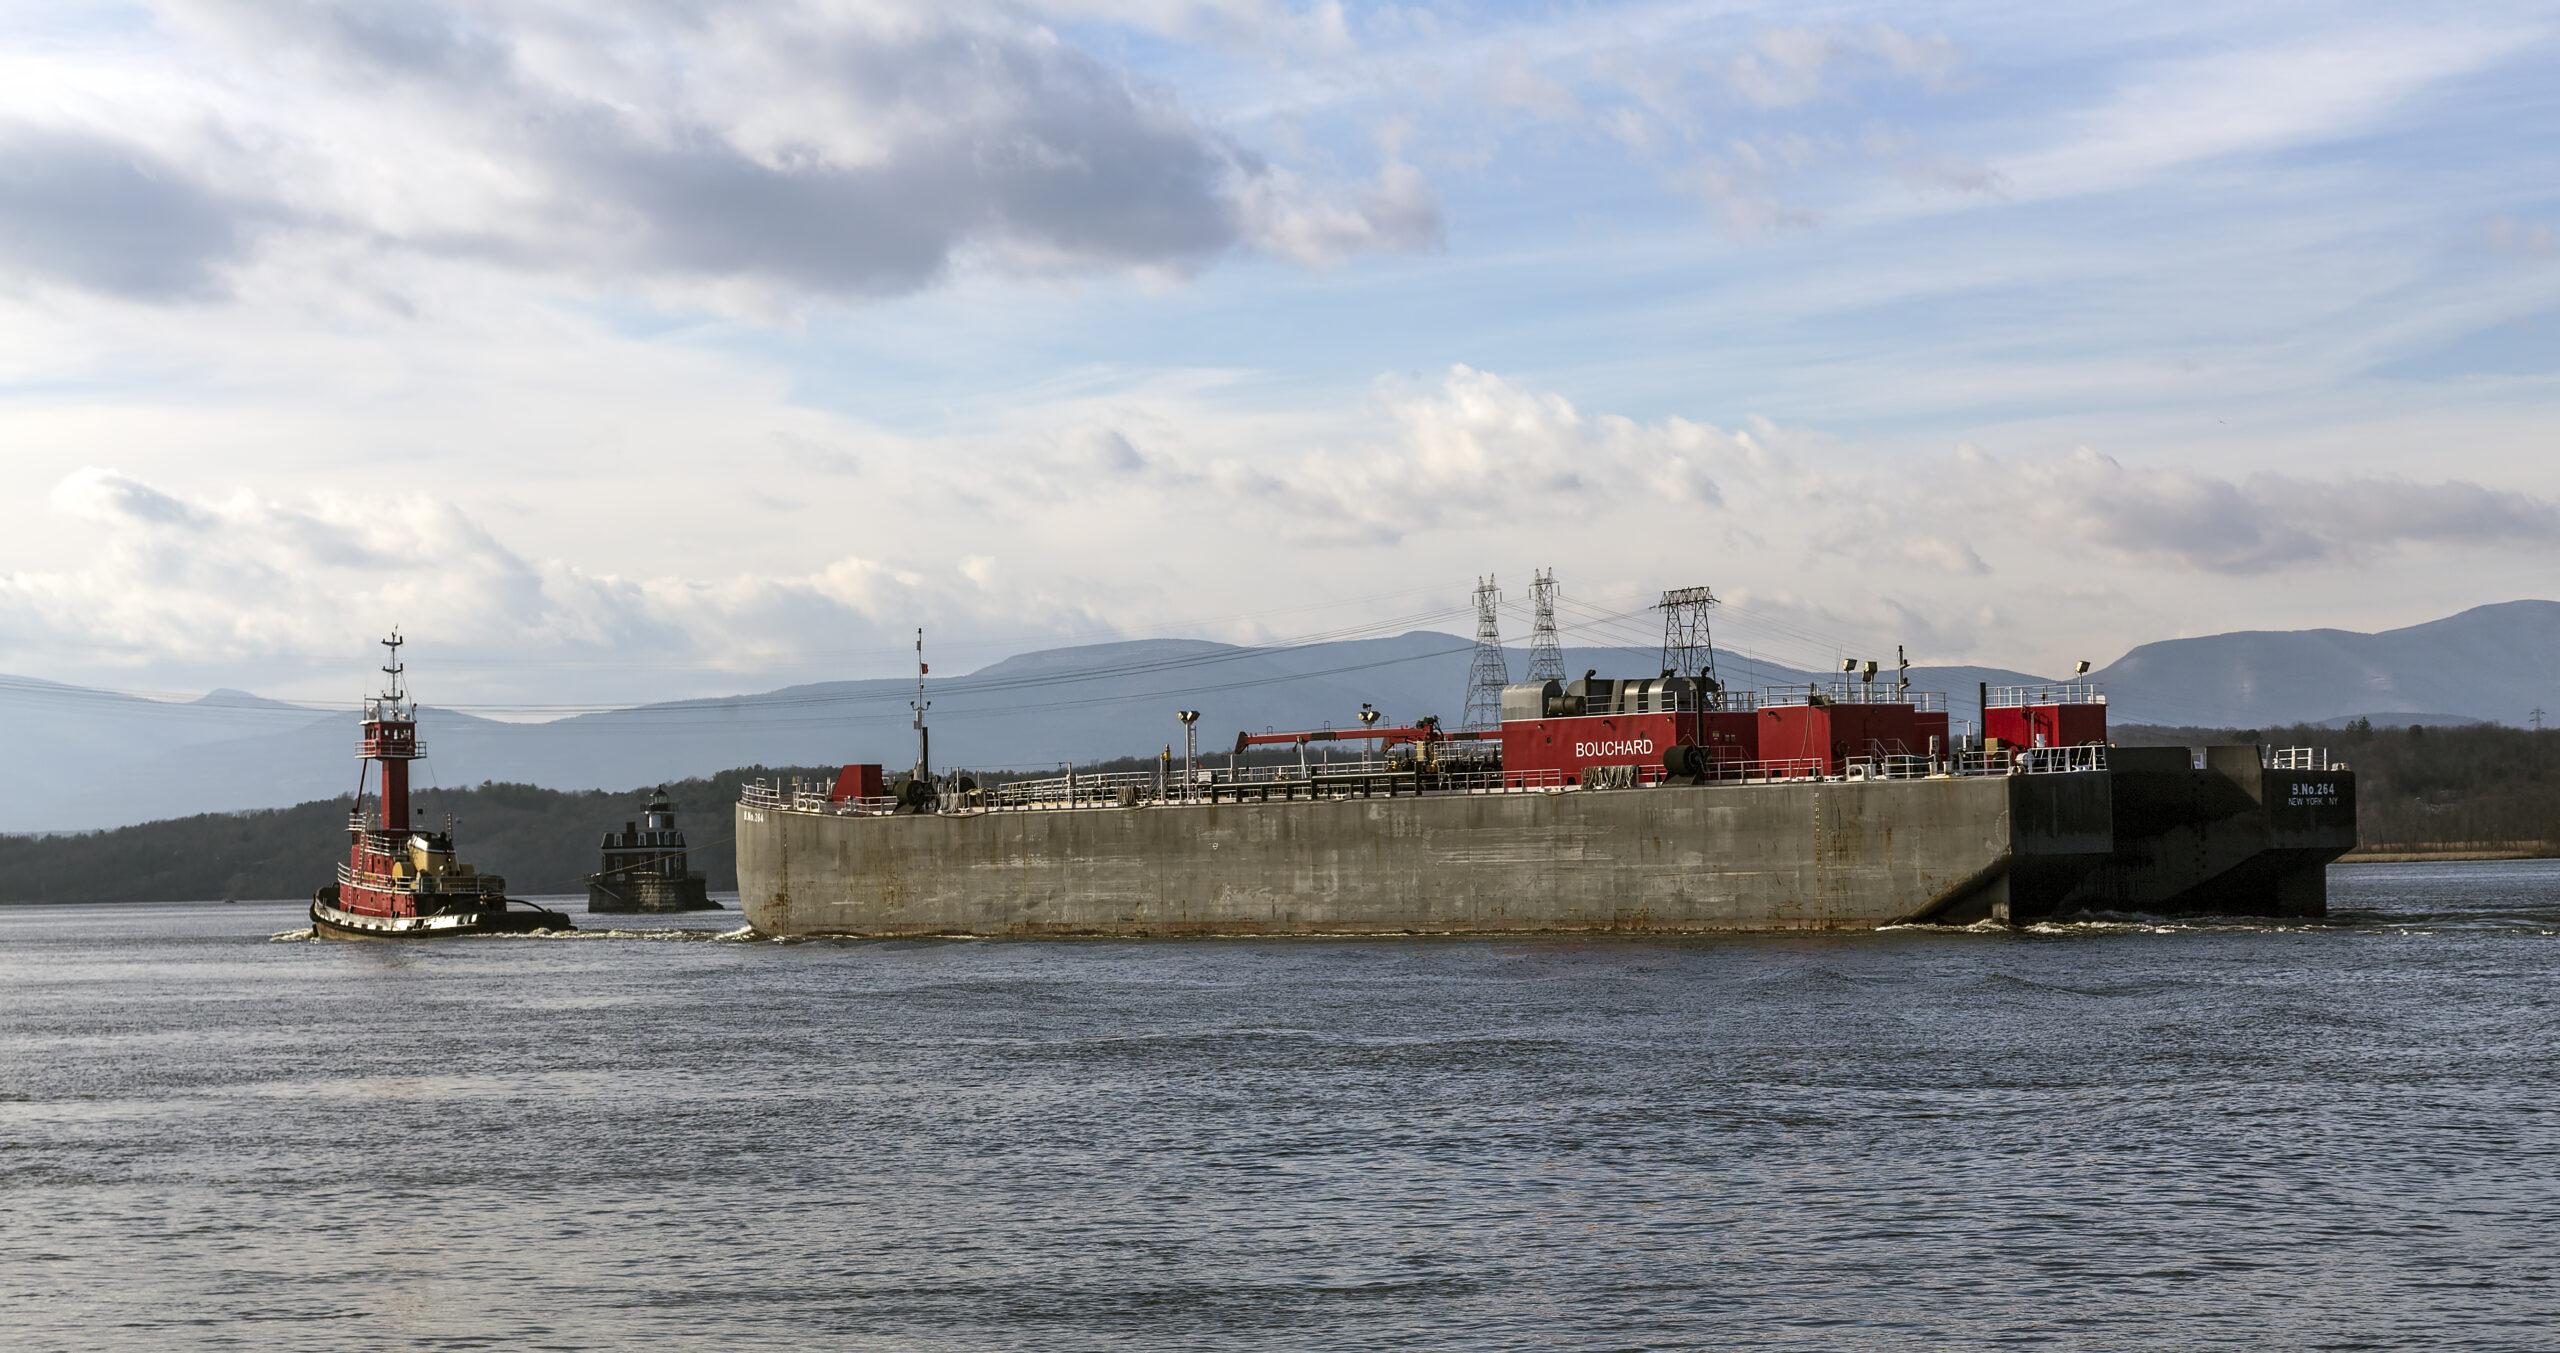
x,y
2229,836
1807,855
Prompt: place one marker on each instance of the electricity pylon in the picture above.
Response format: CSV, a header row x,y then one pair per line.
x,y
1687,649
1490,671
1546,659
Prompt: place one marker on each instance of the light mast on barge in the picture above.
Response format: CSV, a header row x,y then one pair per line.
x,y
400,880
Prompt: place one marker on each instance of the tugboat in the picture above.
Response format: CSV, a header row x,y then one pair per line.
x,y
402,881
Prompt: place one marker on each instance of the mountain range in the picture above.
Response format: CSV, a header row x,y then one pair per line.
x,y
75,758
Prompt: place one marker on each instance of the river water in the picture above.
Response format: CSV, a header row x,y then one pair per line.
x,y
2341,1135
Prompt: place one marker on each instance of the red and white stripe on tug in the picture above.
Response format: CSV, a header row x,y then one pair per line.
x,y
402,879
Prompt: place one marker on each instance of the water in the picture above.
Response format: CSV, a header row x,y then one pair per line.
x,y
2111,1136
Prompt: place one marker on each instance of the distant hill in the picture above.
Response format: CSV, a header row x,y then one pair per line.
x,y
72,758
1031,710
59,744
2488,663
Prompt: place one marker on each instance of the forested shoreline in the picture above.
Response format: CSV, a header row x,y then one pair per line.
x,y
2437,790
544,841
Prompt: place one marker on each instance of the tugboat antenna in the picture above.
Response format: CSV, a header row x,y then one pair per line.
x,y
392,668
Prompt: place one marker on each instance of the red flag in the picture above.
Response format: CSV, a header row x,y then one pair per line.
x,y
923,670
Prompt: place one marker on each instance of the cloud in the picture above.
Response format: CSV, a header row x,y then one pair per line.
x,y
248,578
1786,67
2257,100
1434,480
1399,213
845,150
1739,182
2524,239
1103,455
1513,81
243,578
107,498
1944,553
1480,449
1671,100
1922,169
1476,451
112,217
1256,26
1932,58
1023,149
2265,523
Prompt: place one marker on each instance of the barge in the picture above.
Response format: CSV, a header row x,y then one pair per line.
x,y
1649,805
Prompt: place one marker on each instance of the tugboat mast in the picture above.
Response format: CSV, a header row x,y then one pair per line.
x,y
391,738
924,745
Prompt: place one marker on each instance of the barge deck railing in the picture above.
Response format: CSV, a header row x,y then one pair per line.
x,y
1851,693
2033,760
2302,758
1373,777
2045,693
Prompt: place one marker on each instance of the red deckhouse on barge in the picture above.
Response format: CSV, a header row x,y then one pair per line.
x,y
1665,803
400,880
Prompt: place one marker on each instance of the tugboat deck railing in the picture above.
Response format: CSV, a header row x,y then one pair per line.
x,y
425,885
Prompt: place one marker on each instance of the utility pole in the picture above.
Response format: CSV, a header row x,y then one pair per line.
x,y
924,747
1546,658
1490,671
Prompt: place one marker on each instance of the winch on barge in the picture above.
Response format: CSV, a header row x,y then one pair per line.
x,y
402,881
1655,805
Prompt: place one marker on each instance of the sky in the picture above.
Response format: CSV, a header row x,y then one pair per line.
x,y
635,351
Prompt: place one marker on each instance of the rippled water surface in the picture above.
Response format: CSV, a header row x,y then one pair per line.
x,y
2126,1135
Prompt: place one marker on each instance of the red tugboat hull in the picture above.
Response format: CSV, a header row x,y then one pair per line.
x,y
492,916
